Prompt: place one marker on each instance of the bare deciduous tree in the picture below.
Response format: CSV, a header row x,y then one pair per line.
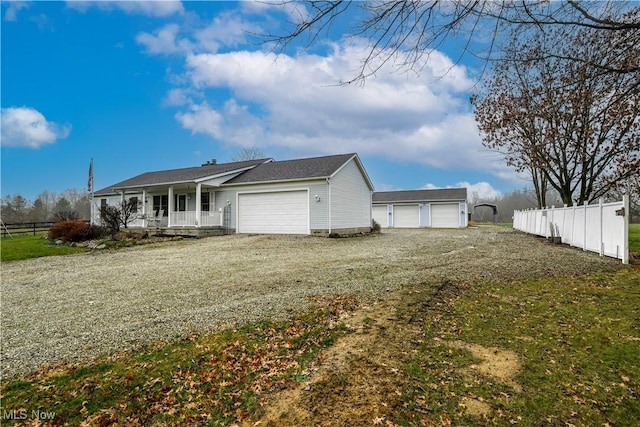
x,y
121,215
406,32
14,208
631,188
248,153
562,120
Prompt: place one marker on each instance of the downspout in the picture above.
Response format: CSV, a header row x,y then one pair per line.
x,y
329,202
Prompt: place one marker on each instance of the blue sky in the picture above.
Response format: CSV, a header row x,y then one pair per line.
x,y
143,86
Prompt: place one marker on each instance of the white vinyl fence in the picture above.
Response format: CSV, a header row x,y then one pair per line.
x,y
601,228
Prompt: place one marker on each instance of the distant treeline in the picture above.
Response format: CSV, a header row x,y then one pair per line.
x,y
526,199
47,206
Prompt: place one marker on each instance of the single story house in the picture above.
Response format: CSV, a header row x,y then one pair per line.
x,y
320,195
438,208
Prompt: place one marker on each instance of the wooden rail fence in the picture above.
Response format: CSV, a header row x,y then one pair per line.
x,y
26,227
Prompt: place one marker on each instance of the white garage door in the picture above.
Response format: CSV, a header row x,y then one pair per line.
x,y
406,216
445,215
284,212
380,215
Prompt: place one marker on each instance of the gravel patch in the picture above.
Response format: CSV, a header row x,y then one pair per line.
x,y
73,308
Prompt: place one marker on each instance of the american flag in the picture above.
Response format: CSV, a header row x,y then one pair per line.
x,y
90,180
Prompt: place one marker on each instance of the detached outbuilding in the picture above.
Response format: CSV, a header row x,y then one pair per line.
x,y
438,208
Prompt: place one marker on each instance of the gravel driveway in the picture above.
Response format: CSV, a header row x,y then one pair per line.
x,y
66,309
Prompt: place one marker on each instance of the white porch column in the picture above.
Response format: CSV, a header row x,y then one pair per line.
x,y
92,219
170,207
198,203
144,207
122,197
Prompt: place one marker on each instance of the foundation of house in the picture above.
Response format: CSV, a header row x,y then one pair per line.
x,y
197,232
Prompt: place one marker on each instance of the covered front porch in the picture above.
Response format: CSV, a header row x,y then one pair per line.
x,y
181,206
189,205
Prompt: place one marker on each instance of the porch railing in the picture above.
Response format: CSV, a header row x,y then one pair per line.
x,y
189,219
211,218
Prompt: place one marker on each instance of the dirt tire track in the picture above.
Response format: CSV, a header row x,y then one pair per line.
x,y
357,380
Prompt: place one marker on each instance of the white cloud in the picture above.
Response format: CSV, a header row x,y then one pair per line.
x,y
177,98
294,102
27,127
156,8
164,40
201,119
294,11
479,191
226,30
13,7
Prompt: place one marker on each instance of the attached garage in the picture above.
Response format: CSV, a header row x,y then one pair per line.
x,y
437,208
445,215
278,212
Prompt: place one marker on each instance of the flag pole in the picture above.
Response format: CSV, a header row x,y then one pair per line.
x,y
90,189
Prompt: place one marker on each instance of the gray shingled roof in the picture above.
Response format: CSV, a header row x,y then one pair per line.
x,y
179,175
316,167
439,194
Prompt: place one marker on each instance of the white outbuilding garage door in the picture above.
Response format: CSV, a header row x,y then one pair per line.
x,y
284,212
445,215
406,216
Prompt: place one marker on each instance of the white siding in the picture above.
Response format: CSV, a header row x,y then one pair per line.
x,y
425,215
114,200
97,203
350,199
318,210
220,201
464,214
380,215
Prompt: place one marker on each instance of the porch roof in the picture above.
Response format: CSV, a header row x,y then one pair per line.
x,y
183,175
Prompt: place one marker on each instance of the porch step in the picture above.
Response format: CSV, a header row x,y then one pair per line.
x,y
196,232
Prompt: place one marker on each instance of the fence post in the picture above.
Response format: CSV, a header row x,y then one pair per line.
x,y
553,220
600,203
573,224
564,219
625,240
34,228
584,228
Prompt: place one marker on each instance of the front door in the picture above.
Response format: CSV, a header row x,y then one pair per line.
x,y
181,202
